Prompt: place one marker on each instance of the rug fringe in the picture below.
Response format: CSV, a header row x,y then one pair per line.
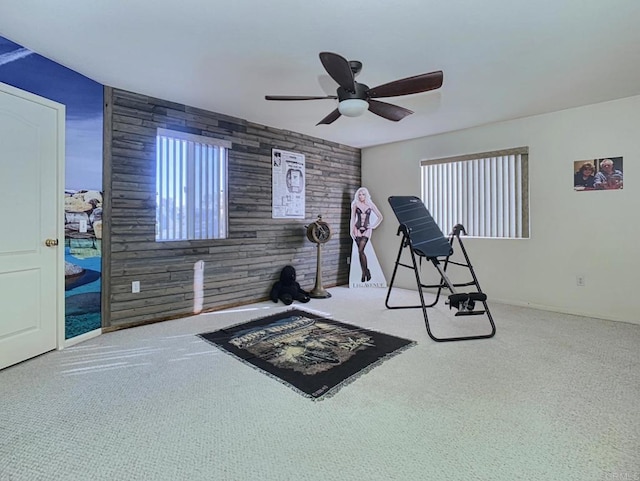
x,y
256,368
334,390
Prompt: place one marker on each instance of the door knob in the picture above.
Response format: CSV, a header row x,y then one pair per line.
x,y
51,242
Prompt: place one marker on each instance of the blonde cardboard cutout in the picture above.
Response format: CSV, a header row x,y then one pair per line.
x,y
365,269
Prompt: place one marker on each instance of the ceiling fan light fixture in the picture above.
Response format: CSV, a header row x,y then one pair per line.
x,y
353,107
355,98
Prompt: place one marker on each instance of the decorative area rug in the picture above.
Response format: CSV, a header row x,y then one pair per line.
x,y
312,354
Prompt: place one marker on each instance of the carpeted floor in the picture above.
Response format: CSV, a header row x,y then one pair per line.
x,y
550,397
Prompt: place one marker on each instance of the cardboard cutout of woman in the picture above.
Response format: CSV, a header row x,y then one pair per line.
x,y
365,217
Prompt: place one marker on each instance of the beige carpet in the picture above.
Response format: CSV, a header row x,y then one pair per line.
x,y
550,397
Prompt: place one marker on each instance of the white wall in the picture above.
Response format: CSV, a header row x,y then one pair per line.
x,y
595,234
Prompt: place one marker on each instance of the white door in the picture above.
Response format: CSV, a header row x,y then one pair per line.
x,y
31,203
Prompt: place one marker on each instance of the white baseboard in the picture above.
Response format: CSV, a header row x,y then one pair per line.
x,y
81,338
544,307
560,310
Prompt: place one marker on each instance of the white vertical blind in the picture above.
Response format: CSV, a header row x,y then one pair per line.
x,y
485,194
191,186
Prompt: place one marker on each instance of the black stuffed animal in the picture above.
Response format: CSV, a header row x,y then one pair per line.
x,y
287,289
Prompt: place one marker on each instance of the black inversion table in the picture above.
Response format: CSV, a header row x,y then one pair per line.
x,y
424,239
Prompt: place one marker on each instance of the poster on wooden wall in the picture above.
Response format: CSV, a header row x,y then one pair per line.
x,y
288,185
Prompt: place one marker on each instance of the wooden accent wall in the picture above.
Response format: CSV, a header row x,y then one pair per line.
x,y
238,270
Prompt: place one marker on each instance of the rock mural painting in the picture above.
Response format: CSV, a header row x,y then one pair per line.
x,y
83,99
83,214
83,254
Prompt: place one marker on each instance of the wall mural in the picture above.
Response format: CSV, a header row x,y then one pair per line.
x,y
83,98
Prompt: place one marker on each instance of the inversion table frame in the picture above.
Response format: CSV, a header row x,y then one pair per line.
x,y
424,238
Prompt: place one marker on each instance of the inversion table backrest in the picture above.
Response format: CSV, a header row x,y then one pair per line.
x,y
426,237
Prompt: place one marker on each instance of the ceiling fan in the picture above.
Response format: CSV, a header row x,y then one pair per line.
x,y
355,98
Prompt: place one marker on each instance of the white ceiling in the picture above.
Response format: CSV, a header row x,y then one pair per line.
x,y
502,59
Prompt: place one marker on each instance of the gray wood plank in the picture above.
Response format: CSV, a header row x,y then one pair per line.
x,y
240,269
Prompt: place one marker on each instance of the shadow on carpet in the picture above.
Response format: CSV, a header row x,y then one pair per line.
x,y
310,353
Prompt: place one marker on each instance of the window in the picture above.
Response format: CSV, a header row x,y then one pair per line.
x,y
487,193
191,186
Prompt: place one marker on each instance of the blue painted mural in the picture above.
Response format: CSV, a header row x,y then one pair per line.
x,y
83,98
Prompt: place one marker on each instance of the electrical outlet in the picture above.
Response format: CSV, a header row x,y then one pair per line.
x,y
348,260
83,226
135,287
580,281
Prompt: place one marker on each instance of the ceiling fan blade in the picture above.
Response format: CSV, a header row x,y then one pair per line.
x,y
388,111
409,85
297,97
332,117
339,69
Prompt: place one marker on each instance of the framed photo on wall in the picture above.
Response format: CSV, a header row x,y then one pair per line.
x,y
598,174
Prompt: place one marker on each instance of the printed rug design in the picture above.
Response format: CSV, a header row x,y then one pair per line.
x,y
312,354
